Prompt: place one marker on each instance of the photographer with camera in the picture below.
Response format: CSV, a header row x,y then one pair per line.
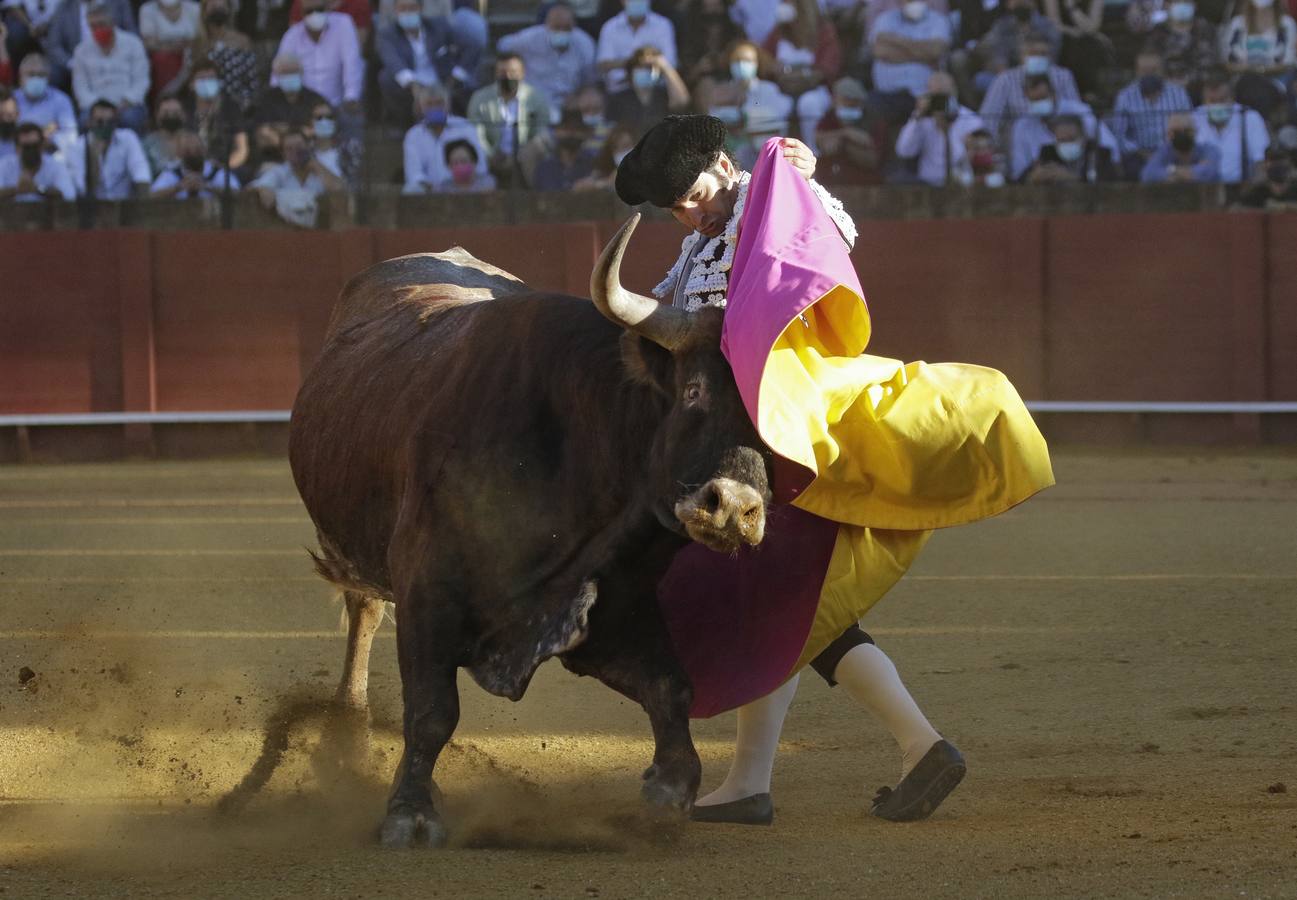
x,y
935,133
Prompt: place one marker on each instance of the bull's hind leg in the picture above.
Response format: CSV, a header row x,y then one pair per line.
x,y
629,650
364,615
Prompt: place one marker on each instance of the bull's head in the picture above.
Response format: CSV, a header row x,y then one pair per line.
x,y
711,472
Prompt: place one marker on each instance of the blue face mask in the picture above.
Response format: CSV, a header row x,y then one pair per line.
x,y
325,128
849,113
35,85
207,88
435,117
560,40
1036,65
637,9
1041,107
408,20
644,78
290,83
1069,151
743,69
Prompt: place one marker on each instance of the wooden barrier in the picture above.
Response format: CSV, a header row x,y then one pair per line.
x,y
1130,307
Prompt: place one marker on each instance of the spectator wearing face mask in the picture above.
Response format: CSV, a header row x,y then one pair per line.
x,y
160,145
229,50
1260,46
558,56
45,105
108,162
360,12
936,132
1006,44
1237,132
168,29
980,165
908,45
8,122
1182,157
30,173
69,27
339,157
1071,157
426,142
286,102
508,114
805,47
654,90
848,138
1141,111
424,50
744,99
570,160
329,50
192,175
1006,99
1277,187
634,27
293,188
463,175
111,65
1185,40
217,118
1032,132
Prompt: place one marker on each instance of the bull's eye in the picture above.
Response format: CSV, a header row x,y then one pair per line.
x,y
693,392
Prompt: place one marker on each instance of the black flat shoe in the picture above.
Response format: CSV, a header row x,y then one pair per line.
x,y
754,810
922,790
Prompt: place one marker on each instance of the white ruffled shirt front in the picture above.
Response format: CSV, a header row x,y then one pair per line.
x,y
709,265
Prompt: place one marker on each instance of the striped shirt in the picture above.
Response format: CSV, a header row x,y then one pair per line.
x,y
1140,122
1006,99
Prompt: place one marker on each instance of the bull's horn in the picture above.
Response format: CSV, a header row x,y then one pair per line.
x,y
660,323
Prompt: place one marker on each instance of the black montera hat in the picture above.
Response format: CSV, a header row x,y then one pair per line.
x,y
668,160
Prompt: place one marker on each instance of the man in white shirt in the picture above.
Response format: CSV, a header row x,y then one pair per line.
x,y
30,174
111,65
107,162
1032,132
907,45
43,104
193,175
326,44
1237,132
559,56
294,187
936,132
425,143
634,27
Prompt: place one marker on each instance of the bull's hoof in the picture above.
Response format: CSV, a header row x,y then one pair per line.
x,y
664,794
406,829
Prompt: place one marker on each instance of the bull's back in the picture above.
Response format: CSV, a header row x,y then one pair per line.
x,y
402,380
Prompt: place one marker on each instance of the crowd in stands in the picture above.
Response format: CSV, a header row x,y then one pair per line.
x,y
114,99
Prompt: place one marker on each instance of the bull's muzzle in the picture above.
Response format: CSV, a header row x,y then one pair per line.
x,y
724,514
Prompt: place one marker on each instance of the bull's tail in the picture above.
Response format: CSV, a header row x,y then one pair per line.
x,y
335,568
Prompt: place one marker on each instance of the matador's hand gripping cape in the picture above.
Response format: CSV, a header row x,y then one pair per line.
x,y
872,454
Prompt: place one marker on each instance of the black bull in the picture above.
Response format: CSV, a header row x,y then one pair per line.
x,y
515,475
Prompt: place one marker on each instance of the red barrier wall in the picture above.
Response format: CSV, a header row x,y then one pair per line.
x,y
1132,307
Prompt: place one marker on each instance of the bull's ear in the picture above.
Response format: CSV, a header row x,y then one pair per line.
x,y
648,363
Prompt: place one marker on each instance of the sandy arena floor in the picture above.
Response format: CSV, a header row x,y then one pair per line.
x,y
1115,658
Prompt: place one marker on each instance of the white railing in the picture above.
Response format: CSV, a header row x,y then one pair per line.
x,y
34,420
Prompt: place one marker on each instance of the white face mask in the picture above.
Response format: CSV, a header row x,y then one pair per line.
x,y
993,180
914,9
1263,4
317,20
1069,151
1182,12
1036,65
785,13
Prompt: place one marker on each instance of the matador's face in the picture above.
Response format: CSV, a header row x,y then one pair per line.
x,y
708,205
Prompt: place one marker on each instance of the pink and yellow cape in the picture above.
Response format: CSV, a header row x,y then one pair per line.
x,y
872,454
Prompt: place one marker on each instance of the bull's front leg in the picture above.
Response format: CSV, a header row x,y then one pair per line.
x,y
428,641
629,649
